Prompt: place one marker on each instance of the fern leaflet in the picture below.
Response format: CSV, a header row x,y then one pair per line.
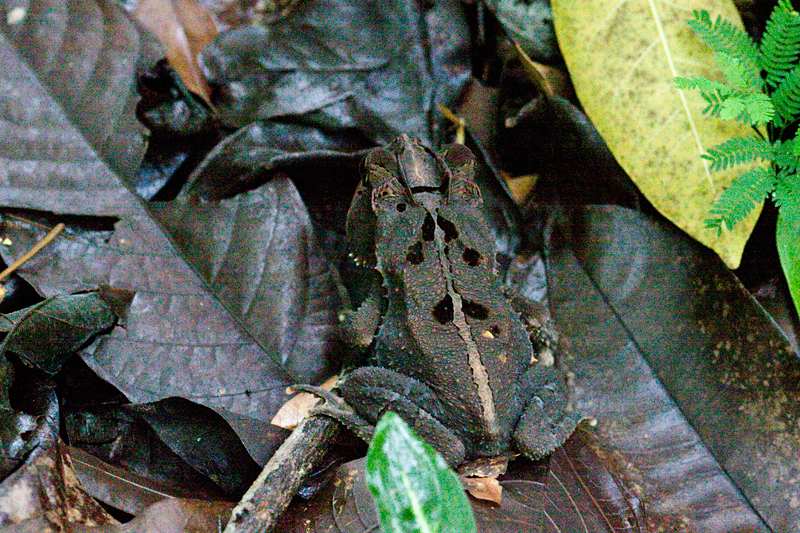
x,y
755,109
787,155
780,45
737,151
738,75
787,194
725,38
741,198
786,97
704,85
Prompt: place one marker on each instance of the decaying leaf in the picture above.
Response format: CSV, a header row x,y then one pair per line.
x,y
50,331
87,54
44,494
479,478
179,339
381,68
684,372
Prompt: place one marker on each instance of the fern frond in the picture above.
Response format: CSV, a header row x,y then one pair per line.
x,y
780,46
755,109
737,151
786,97
703,84
787,155
737,73
725,38
741,198
787,193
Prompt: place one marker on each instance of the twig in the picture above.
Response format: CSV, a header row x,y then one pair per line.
x,y
33,251
270,494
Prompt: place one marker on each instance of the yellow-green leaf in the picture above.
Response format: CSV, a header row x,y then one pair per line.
x,y
623,56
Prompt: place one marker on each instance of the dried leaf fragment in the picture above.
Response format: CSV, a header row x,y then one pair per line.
x,y
184,27
295,409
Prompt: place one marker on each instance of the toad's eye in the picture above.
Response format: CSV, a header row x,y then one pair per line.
x,y
400,207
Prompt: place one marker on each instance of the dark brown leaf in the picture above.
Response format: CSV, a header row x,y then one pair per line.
x,y
45,334
121,488
380,67
546,496
178,339
173,516
690,382
44,495
87,54
203,439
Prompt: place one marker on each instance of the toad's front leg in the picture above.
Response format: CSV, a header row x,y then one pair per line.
x,y
545,422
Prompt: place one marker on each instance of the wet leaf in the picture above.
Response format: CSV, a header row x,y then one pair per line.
x,y
45,334
382,68
689,380
185,27
414,488
178,339
622,58
87,54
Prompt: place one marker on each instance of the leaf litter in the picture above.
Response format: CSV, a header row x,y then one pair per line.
x,y
192,313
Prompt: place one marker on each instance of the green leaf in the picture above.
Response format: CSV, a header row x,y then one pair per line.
x,y
622,59
787,196
414,488
730,41
755,109
786,97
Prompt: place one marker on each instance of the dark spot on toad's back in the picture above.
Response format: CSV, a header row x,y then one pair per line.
x,y
443,311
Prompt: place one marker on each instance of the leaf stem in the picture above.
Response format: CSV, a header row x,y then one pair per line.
x,y
33,251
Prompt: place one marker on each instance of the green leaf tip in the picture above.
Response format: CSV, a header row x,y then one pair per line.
x,y
414,489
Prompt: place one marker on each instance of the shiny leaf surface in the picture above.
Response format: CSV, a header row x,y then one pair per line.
x,y
414,488
687,377
48,332
87,54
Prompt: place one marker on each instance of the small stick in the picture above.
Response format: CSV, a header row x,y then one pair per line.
x,y
33,251
270,494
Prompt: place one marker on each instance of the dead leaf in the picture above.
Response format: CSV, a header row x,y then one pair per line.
x,y
179,339
295,409
623,58
483,488
479,477
45,492
88,54
185,28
